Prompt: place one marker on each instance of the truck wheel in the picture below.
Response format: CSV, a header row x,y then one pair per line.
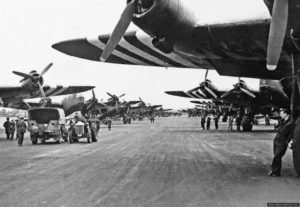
x,y
296,146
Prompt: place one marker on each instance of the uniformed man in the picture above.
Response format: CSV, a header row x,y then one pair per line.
x,y
6,125
208,123
21,129
12,129
203,122
281,141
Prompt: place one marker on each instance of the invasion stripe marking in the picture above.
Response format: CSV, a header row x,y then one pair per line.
x,y
132,39
139,52
202,93
173,56
50,91
190,95
131,52
53,91
99,44
197,95
59,92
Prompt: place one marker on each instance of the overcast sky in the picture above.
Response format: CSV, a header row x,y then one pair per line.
x,y
28,28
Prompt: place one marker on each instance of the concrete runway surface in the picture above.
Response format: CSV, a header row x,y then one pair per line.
x,y
169,163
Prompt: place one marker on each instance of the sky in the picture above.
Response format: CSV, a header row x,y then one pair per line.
x,y
28,28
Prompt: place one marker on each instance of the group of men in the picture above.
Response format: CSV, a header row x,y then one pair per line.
x,y
207,120
11,127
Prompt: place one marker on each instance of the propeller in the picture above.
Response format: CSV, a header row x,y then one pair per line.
x,y
277,32
238,88
119,30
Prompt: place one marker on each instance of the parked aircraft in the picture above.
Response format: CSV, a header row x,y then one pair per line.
x,y
32,87
260,39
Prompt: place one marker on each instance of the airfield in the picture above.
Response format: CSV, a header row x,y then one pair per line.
x,y
169,163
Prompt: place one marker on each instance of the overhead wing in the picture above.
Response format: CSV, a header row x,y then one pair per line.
x,y
135,48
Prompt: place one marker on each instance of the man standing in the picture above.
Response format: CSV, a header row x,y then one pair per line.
x,y
21,129
216,119
12,129
109,124
203,122
6,125
208,123
238,121
281,141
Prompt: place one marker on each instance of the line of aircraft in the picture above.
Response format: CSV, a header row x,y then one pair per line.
x,y
249,38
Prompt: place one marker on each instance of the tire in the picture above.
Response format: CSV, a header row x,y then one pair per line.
x,y
34,139
296,146
247,123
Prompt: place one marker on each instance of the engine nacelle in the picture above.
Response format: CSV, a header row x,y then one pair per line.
x,y
162,45
165,18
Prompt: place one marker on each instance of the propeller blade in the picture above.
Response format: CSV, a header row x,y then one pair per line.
x,y
42,90
119,30
248,92
110,95
194,89
122,95
206,73
24,75
93,92
227,93
277,32
210,92
46,69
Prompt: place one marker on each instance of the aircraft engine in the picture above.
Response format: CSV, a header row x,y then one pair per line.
x,y
33,83
162,19
163,45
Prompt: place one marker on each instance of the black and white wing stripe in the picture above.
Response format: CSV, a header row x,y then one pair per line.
x,y
134,48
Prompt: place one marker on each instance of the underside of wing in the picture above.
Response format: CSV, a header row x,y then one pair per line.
x,y
135,48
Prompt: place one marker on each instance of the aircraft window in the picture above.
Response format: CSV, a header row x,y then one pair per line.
x,y
43,116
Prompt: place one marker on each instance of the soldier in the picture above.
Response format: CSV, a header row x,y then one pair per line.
x,y
216,119
12,129
208,123
109,124
281,141
6,125
21,129
238,121
203,122
230,122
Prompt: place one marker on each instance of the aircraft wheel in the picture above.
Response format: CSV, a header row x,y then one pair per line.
x,y
296,146
247,123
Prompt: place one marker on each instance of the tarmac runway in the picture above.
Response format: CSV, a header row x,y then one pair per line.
x,y
169,163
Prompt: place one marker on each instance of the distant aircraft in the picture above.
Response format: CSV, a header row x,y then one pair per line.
x,y
32,87
268,96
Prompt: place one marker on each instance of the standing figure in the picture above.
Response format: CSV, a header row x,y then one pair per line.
x,y
230,122
203,122
267,120
208,123
238,121
216,119
21,129
6,125
109,124
12,129
281,141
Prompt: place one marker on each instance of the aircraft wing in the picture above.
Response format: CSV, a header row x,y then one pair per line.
x,y
61,90
21,93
